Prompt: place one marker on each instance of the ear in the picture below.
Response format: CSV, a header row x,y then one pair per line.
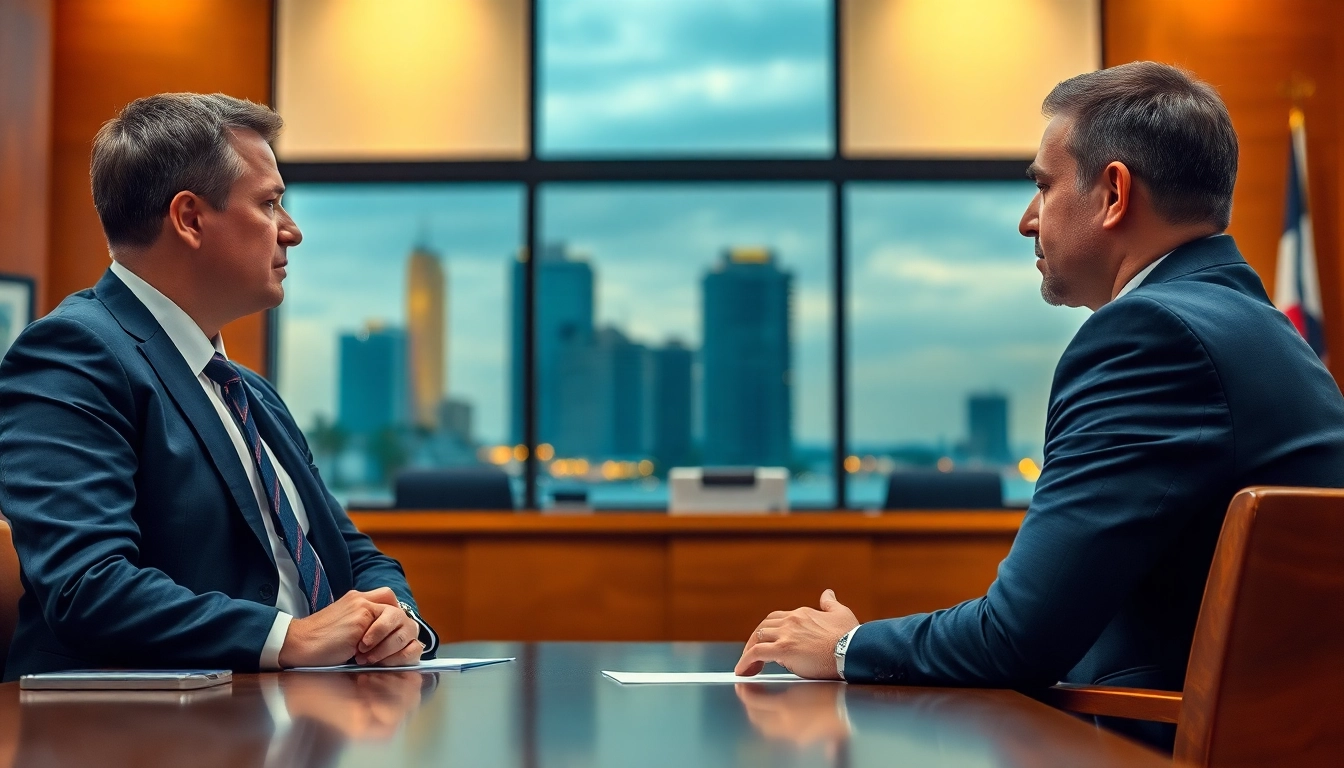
x,y
1117,183
184,218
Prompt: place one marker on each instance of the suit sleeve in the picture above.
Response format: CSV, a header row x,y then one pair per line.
x,y
1137,418
371,568
68,461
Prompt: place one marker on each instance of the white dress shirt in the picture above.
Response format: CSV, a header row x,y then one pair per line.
x,y
1137,280
197,350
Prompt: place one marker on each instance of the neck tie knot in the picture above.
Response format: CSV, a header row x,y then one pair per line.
x,y
221,371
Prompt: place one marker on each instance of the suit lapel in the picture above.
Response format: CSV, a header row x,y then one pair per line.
x,y
187,393
322,530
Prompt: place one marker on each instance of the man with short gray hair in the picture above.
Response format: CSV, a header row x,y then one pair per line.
x,y
164,504
1183,387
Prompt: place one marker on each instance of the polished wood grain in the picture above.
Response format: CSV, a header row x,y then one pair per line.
x,y
1250,50
1136,703
110,53
646,576
552,706
25,138
1265,684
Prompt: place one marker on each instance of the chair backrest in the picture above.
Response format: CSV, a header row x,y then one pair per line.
x,y
11,589
931,489
472,487
1266,674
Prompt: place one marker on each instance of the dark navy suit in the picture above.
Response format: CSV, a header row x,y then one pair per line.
x,y
139,535
1168,401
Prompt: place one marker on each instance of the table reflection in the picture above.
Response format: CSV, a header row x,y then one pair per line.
x,y
803,715
294,719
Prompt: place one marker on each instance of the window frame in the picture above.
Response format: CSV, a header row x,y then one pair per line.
x,y
533,171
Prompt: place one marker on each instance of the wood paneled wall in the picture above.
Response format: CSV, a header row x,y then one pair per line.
x,y
1250,50
110,53
528,576
25,137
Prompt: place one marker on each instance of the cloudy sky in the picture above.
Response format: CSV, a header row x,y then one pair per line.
x,y
944,297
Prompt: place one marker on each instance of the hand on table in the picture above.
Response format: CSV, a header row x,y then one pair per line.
x,y
801,641
369,627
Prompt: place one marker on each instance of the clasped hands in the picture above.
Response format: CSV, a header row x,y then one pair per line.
x,y
369,627
802,641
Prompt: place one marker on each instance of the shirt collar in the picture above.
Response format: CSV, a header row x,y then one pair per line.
x,y
1137,280
185,334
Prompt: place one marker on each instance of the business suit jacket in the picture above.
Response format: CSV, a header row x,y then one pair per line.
x,y
140,539
1168,401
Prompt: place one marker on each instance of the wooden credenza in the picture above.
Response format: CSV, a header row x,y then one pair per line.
x,y
642,576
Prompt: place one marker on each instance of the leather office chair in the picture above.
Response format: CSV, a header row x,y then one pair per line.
x,y
473,487
1265,684
10,590
931,489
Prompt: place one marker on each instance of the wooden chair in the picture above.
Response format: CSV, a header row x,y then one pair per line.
x,y
10,590
1265,684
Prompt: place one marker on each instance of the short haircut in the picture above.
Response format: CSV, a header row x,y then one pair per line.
x,y
1171,130
161,145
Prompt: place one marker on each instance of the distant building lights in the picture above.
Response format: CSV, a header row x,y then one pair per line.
x,y
545,452
1029,469
945,464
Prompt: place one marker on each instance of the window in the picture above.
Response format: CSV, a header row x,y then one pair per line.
x,y
673,200
394,329
685,77
952,349
681,325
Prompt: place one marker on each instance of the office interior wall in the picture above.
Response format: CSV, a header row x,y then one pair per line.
x,y
1250,51
25,137
110,53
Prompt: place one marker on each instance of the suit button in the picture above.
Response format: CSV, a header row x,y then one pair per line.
x,y
267,591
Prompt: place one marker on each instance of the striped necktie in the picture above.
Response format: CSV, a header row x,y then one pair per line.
x,y
313,578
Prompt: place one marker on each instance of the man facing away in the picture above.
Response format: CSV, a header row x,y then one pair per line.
x,y
164,504
1184,386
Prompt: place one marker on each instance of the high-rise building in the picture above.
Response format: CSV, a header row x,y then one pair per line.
x,y
671,387
987,422
372,386
747,389
455,417
426,329
601,395
564,324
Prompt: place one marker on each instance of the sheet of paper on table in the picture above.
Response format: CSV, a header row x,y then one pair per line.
x,y
701,678
429,665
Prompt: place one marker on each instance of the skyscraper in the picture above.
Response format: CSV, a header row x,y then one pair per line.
x,y
747,358
602,397
372,385
671,387
426,328
987,422
564,323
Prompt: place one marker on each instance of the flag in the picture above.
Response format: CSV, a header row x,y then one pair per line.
x,y
1297,289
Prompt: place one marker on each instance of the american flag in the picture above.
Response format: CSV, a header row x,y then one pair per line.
x,y
1297,289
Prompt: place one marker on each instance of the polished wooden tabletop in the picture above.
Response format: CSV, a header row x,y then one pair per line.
x,y
551,707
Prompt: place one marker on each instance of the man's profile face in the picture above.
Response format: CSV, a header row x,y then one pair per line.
x,y
245,259
1066,224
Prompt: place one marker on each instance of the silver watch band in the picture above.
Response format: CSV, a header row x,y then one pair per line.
x,y
841,647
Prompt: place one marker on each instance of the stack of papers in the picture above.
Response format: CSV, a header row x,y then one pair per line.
x,y
430,665
701,678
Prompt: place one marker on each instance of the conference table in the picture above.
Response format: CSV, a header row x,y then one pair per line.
x,y
550,707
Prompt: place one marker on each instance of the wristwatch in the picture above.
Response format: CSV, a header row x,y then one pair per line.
x,y
841,646
428,639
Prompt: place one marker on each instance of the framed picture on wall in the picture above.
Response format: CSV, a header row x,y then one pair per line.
x,y
16,308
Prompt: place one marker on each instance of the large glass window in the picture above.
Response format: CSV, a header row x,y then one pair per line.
x,y
685,77
394,329
683,325
952,349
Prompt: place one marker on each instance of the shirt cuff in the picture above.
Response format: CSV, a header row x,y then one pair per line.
x,y
428,637
270,652
841,648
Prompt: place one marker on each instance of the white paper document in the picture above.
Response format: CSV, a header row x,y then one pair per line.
x,y
701,678
429,665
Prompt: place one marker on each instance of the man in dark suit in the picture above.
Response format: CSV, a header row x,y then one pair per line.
x,y
1183,387
164,504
